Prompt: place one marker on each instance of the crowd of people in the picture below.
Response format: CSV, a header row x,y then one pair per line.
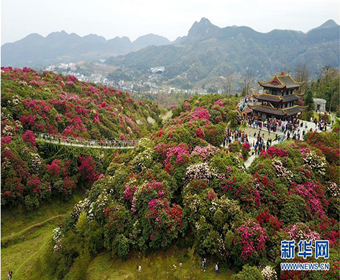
x,y
291,128
291,125
256,141
86,142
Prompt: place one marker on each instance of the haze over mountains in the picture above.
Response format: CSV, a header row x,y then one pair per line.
x,y
209,51
36,50
206,53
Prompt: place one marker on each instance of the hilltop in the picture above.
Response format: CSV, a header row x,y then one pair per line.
x,y
35,104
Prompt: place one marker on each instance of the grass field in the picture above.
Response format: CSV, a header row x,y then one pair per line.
x,y
24,235
160,265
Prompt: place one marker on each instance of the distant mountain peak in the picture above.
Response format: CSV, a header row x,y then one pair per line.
x,y
94,38
149,40
205,21
62,32
328,24
57,34
202,29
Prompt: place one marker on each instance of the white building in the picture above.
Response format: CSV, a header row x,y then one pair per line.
x,y
320,104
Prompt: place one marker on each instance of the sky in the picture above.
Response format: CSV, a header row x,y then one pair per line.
x,y
168,18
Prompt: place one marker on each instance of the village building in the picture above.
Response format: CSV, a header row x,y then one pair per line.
x,y
279,99
320,104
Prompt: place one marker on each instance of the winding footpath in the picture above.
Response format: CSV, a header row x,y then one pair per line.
x,y
249,161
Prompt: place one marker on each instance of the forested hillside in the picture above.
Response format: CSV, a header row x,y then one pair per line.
x,y
209,52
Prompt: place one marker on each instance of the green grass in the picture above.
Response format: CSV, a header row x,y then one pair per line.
x,y
21,257
160,265
24,235
15,220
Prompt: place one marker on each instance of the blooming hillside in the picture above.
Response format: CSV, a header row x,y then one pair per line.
x,y
55,104
33,103
183,188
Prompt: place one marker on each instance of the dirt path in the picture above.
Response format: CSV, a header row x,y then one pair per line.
x,y
45,241
5,240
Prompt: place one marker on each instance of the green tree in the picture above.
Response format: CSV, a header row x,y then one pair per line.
x,y
232,118
302,75
308,100
249,273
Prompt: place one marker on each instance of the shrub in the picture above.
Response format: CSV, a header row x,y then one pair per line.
x,y
31,202
87,170
232,118
245,150
29,137
249,273
121,246
250,240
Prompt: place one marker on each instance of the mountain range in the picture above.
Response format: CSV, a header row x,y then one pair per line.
x,y
209,52
36,50
205,55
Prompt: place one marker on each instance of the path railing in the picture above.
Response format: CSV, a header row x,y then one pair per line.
x,y
86,143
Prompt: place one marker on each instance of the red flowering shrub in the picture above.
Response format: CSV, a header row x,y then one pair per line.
x,y
246,146
173,153
29,137
149,191
201,113
328,143
6,140
180,153
34,184
314,196
122,137
200,133
250,240
69,185
54,167
129,192
206,152
245,150
87,170
116,220
196,186
159,134
219,102
169,168
268,221
274,151
162,223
